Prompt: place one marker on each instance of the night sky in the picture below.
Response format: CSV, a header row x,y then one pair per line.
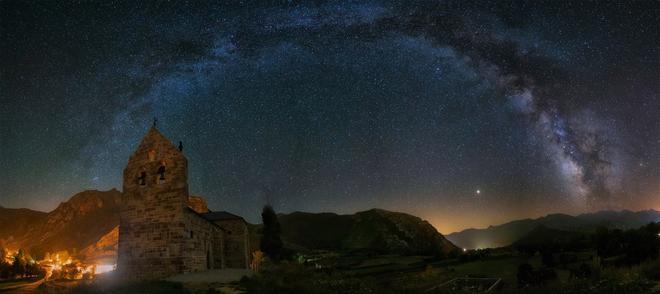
x,y
465,113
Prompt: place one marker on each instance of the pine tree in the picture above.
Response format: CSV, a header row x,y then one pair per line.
x,y
5,267
19,264
271,244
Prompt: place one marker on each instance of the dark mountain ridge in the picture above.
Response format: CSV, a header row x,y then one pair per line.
x,y
508,233
375,230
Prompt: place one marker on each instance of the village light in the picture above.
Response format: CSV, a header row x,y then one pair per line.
x,y
104,268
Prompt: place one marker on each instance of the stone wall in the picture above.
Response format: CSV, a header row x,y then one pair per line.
x,y
219,251
151,237
201,251
236,243
152,214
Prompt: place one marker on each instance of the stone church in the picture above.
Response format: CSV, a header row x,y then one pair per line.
x,y
163,230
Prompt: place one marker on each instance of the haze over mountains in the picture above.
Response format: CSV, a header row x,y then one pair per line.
x,y
86,226
508,233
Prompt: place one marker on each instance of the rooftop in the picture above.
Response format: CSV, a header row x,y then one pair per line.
x,y
220,215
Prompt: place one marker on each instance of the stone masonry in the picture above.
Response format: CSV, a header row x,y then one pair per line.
x,y
236,239
160,234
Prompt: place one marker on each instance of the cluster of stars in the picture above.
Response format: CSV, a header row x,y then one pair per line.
x,y
331,106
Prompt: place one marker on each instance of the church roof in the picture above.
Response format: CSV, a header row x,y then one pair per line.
x,y
155,137
202,217
220,215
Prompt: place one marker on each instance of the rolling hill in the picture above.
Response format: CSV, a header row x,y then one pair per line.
x,y
508,233
376,230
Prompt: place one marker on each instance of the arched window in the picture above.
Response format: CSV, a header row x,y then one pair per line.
x,y
161,173
152,155
142,180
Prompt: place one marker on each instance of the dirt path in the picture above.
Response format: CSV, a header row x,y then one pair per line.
x,y
24,288
223,281
212,276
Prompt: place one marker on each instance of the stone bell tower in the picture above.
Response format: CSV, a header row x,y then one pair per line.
x,y
152,216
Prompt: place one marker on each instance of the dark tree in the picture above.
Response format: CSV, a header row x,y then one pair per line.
x,y
584,271
525,275
548,258
5,270
567,258
271,244
5,267
630,247
3,253
18,266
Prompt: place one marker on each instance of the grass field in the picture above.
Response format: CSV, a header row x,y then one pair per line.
x,y
416,274
504,268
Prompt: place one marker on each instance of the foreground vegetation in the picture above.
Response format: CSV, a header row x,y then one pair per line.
x,y
546,261
19,268
610,261
404,277
405,274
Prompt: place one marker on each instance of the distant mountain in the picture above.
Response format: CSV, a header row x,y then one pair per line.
x,y
72,226
18,224
506,234
373,230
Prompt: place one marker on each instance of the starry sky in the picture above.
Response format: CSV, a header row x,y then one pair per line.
x,y
465,113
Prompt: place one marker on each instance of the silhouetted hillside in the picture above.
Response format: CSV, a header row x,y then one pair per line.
x,y
376,230
544,237
506,234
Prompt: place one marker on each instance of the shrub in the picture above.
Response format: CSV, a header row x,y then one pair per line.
x,y
525,275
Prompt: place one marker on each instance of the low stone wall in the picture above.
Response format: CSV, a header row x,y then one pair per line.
x,y
201,251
